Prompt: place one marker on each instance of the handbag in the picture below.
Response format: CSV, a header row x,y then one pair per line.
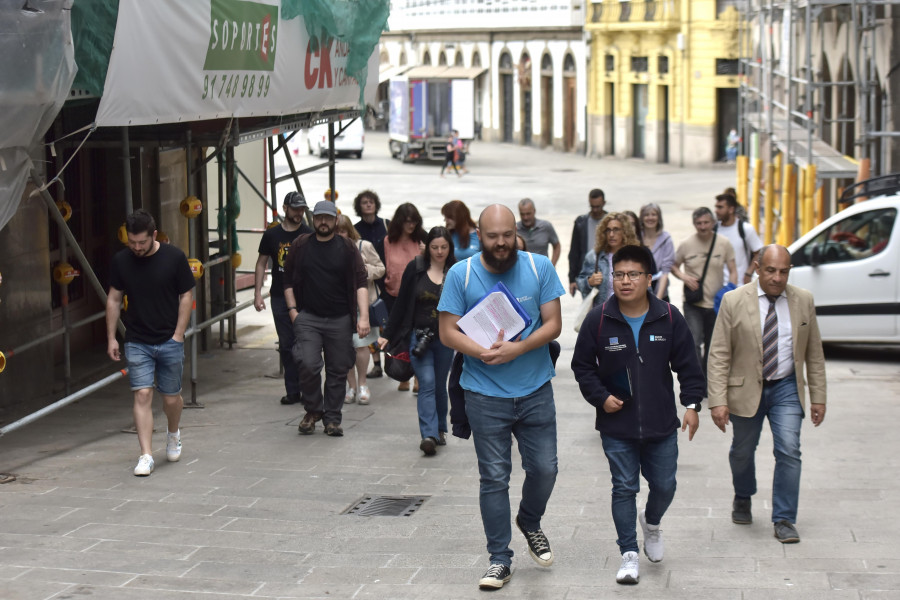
x,y
586,305
397,365
696,296
378,314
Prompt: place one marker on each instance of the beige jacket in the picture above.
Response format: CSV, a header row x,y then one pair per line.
x,y
734,371
374,266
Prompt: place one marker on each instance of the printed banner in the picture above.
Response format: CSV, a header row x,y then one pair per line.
x,y
176,61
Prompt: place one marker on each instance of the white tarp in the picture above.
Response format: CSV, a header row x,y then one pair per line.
x,y
176,61
36,73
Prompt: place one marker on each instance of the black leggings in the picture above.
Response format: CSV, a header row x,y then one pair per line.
x,y
450,159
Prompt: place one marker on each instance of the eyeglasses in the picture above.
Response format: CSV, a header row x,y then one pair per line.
x,y
610,230
632,275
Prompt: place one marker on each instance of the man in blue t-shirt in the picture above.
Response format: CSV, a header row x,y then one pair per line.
x,y
507,386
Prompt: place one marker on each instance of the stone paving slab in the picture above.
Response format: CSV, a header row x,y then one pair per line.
x,y
253,510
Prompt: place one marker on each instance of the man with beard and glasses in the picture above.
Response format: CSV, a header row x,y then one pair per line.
x,y
507,386
274,246
324,286
159,284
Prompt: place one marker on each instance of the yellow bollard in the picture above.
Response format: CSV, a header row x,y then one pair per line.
x,y
753,202
743,164
788,206
809,217
820,205
801,198
769,212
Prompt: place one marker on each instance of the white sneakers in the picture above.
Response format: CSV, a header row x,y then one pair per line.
x,y
173,454
144,466
653,543
628,572
364,394
173,446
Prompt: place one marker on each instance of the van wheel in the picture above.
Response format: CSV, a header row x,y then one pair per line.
x,y
359,155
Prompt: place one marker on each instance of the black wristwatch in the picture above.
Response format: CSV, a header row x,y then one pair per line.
x,y
695,406
290,308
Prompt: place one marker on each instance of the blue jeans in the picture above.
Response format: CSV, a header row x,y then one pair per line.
x,y
781,405
432,369
532,419
657,460
285,331
165,361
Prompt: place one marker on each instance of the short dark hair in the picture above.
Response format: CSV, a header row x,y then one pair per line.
x,y
701,212
366,194
140,221
727,198
638,254
596,193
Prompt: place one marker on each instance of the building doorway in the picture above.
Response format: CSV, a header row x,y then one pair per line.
x,y
662,119
569,103
640,106
525,100
611,119
546,101
726,118
506,97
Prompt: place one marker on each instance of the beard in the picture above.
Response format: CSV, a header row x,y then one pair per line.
x,y
501,265
324,230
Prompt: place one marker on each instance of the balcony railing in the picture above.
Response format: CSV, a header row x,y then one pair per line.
x,y
630,13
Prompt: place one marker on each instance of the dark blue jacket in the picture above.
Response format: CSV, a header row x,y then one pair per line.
x,y
606,354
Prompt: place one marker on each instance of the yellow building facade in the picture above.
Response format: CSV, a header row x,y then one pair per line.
x,y
663,78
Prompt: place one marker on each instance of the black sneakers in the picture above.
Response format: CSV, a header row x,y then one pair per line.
x,y
495,577
428,446
740,511
290,399
376,372
538,546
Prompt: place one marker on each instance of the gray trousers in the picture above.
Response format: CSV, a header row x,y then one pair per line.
x,y
332,337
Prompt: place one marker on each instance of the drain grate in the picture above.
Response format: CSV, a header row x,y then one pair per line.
x,y
386,506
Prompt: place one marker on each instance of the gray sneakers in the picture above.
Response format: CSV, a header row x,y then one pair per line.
x,y
628,571
653,542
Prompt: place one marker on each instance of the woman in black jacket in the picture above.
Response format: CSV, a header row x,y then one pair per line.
x,y
415,317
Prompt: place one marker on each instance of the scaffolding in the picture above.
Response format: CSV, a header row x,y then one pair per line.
x,y
811,91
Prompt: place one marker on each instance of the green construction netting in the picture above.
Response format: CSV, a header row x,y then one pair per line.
x,y
359,23
93,32
230,212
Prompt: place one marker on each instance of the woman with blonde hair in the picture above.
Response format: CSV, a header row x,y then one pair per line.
x,y
613,232
374,270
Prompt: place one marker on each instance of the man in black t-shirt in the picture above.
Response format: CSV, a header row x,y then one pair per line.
x,y
274,246
325,289
159,284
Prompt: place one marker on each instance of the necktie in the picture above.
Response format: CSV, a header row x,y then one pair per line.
x,y
770,340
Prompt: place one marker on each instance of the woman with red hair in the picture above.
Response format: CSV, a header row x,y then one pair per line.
x,y
462,229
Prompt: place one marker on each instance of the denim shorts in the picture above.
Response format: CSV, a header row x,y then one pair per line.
x,y
165,360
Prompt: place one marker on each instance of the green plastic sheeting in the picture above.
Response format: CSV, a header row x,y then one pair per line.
x,y
231,211
93,32
359,23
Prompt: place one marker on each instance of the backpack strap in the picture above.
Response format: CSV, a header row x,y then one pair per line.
x,y
468,268
533,267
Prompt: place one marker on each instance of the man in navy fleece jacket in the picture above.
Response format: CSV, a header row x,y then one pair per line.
x,y
626,351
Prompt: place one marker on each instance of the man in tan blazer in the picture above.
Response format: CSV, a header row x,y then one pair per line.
x,y
765,333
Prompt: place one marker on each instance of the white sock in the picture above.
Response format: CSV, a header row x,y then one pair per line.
x,y
176,434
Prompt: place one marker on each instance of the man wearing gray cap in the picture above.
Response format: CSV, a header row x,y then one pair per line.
x,y
324,287
274,246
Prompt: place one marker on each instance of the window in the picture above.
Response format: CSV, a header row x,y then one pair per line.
x,y
662,65
639,64
726,66
856,237
609,63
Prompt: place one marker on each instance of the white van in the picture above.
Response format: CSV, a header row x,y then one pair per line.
x,y
851,264
349,138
